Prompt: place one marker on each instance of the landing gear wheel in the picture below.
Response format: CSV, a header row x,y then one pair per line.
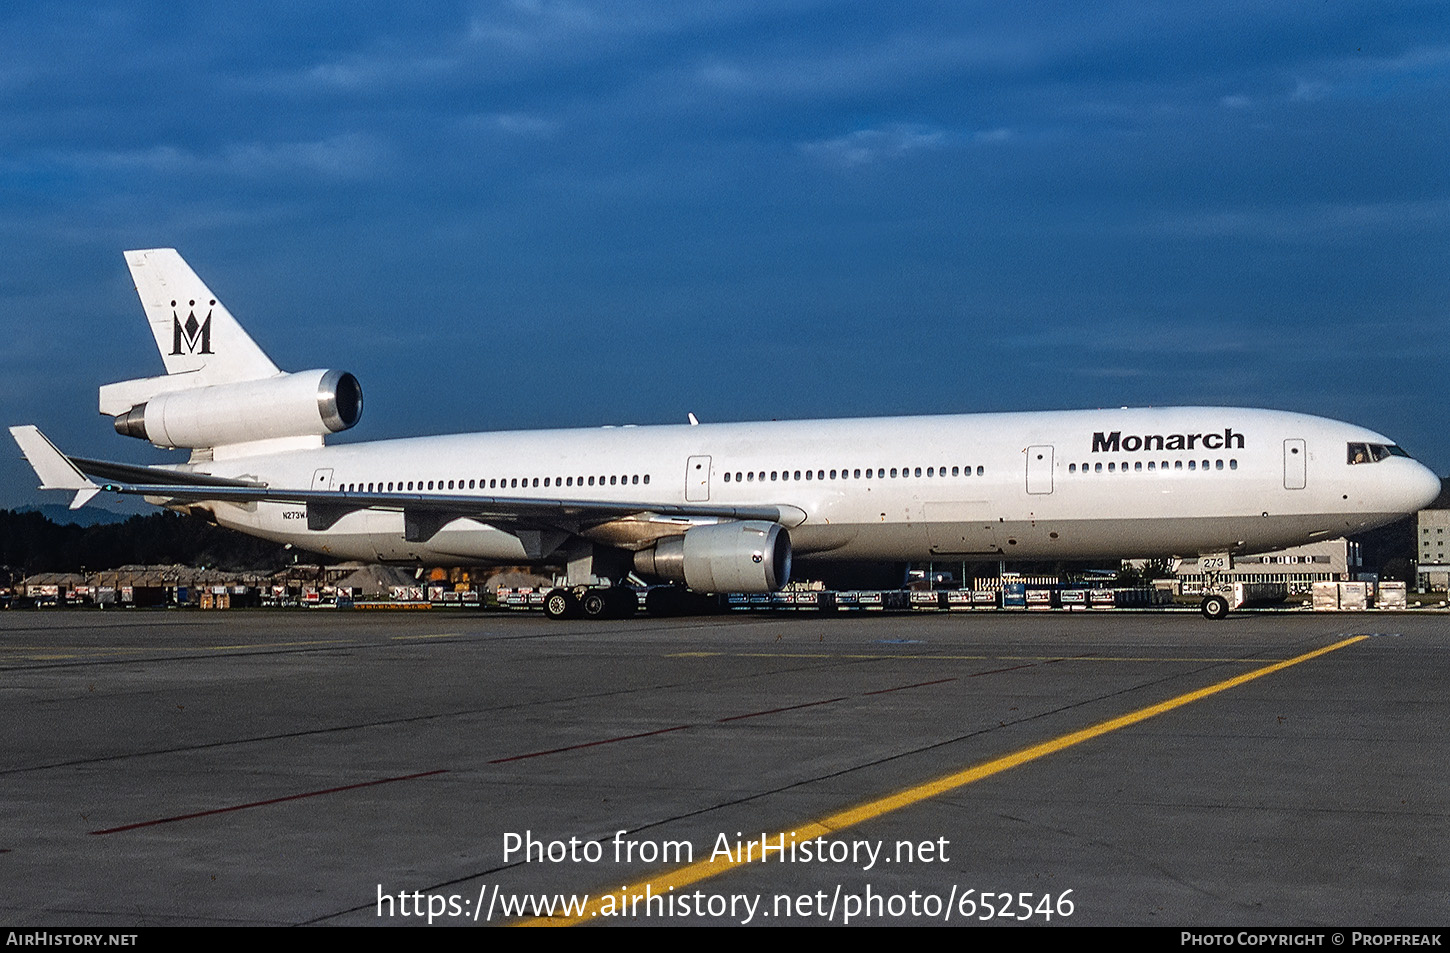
x,y
1214,607
560,604
595,604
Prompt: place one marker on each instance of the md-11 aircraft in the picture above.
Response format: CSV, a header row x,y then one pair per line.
x,y
728,507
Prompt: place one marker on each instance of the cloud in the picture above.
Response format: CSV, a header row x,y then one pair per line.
x,y
515,124
345,156
994,135
1313,222
896,61
367,73
1309,91
523,24
866,146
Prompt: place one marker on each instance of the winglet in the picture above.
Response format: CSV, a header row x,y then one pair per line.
x,y
54,468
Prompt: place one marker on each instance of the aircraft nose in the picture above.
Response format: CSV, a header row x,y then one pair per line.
x,y
1420,487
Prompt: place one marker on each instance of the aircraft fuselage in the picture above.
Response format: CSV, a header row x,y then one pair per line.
x,y
1048,485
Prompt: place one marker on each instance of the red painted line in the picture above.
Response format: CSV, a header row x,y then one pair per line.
x,y
587,744
774,711
275,800
998,671
649,734
902,688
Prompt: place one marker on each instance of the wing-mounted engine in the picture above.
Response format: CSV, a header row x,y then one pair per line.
x,y
742,556
304,404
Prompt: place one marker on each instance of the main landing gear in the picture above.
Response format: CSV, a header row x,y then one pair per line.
x,y
591,602
621,602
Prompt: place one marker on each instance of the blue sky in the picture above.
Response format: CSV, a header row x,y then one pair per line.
x,y
513,215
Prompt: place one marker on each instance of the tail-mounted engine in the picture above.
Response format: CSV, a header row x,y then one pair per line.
x,y
304,404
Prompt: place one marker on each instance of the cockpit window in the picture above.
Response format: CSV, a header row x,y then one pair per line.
x,y
1373,452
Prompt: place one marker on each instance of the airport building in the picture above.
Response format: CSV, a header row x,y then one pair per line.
x,y
1432,550
1299,567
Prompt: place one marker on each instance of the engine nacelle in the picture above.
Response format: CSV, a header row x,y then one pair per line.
x,y
304,404
747,556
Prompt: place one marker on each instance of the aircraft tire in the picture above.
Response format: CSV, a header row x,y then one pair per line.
x,y
1214,607
595,603
560,604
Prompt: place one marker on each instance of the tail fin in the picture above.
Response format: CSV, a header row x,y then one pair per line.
x,y
199,340
194,332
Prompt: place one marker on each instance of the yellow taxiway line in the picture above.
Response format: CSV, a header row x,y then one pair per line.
x,y
830,826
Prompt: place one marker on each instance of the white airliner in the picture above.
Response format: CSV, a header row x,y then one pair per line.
x,y
716,507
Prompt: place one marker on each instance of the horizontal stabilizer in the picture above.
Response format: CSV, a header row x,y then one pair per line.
x,y
54,468
117,398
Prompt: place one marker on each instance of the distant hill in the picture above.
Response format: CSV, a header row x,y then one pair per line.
x,y
61,515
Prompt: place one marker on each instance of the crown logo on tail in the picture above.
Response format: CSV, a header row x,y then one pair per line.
x,y
194,334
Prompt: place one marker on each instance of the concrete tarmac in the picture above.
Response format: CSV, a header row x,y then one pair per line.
x,y
256,767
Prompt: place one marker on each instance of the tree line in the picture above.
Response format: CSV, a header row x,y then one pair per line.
x,y
30,543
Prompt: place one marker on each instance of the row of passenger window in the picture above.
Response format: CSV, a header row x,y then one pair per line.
x,y
872,473
495,483
1137,465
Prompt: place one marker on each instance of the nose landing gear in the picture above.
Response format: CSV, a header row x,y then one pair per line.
x,y
1214,607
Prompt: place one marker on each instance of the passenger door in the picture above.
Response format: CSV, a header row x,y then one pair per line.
x,y
1039,469
1294,464
697,480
